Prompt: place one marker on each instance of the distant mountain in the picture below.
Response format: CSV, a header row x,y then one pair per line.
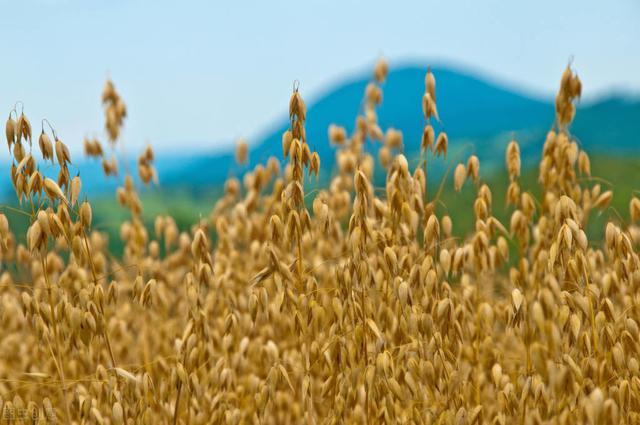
x,y
474,112
468,107
479,116
609,125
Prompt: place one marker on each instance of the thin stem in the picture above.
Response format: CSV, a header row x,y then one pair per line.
x,y
95,282
58,361
365,348
426,180
177,406
15,107
53,131
300,272
105,330
594,333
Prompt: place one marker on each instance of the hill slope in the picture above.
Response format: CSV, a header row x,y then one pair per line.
x,y
479,116
473,111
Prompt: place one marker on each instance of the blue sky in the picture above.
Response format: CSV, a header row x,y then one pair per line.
x,y
199,74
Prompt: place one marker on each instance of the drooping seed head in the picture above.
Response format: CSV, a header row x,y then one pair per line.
x,y
10,131
381,70
242,150
430,84
459,177
53,191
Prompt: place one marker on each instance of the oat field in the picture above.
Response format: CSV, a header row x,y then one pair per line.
x,y
348,303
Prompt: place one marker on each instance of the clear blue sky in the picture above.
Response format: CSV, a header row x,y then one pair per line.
x,y
197,74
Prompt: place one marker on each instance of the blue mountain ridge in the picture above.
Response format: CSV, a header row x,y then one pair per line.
x,y
475,113
479,117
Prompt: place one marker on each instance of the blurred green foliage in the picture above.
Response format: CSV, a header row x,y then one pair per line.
x,y
187,205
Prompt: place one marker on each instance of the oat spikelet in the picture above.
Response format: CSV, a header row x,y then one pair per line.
x,y
242,150
459,177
